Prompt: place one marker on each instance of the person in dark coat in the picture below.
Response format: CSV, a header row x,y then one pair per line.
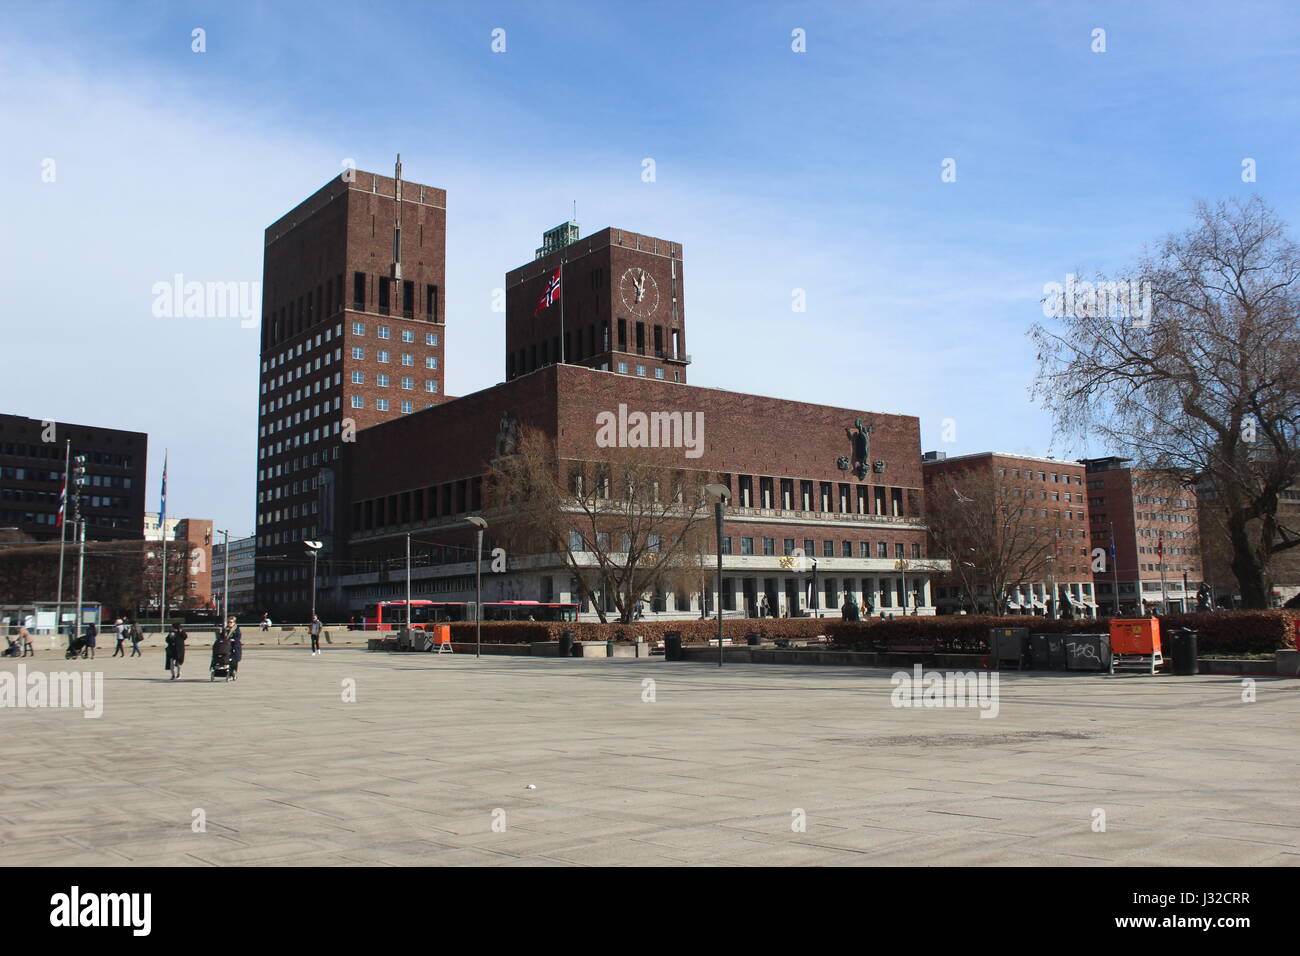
x,y
91,632
175,644
236,640
136,638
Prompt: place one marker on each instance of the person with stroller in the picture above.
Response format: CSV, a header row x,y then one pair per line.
x,y
25,638
236,640
220,666
175,650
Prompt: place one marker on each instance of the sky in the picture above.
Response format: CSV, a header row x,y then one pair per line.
x,y
130,158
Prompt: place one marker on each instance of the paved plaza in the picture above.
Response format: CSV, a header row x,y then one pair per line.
x,y
743,765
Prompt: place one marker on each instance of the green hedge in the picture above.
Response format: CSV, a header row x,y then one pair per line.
x,y
1218,632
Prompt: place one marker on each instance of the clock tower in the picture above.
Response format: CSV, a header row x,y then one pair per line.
x,y
612,301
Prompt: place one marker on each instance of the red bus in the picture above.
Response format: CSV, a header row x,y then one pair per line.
x,y
388,615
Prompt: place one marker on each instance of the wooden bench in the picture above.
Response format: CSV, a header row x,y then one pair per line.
x,y
923,646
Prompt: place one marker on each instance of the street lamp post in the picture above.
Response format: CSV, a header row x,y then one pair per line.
x,y
80,473
480,526
225,577
720,493
313,548
816,606
408,585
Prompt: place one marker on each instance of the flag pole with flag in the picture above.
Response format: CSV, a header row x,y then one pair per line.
x,y
162,529
1114,567
550,295
60,520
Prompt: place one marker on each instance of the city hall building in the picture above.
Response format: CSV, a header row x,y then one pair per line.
x,y
826,505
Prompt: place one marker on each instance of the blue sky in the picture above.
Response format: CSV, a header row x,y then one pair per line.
x,y
777,171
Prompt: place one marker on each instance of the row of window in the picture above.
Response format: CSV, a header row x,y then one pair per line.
x,y
847,499
829,548
384,357
384,332
382,404
1043,476
55,451
422,504
382,380
297,418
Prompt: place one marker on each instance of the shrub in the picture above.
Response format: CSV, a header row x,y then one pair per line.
x,y
693,631
1218,632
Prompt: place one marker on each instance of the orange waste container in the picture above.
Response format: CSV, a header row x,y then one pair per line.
x,y
1140,635
441,634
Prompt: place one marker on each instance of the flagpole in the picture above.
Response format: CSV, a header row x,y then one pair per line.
x,y
63,534
562,297
162,528
1114,566
1164,600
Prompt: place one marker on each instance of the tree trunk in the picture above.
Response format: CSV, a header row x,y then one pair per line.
x,y
1246,565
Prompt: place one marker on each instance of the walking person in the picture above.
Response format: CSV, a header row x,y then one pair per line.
x,y
175,655
119,631
236,640
266,621
315,634
92,632
136,638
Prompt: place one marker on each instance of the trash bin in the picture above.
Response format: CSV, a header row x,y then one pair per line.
x,y
1087,652
1185,640
673,646
566,644
1008,645
753,640
1038,652
1056,659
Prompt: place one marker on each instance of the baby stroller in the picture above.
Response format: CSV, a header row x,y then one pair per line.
x,y
220,659
76,647
12,650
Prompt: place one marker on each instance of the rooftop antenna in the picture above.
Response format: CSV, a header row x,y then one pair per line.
x,y
397,222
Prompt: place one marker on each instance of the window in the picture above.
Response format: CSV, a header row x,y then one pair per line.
x,y
882,549
828,549
746,545
769,546
431,386
408,335
358,352
407,408
381,380
358,401
358,328
788,546
431,361
381,404
622,368
382,331
726,544
382,356
358,378
846,549
916,551
430,338
640,370
408,384
359,291
408,359
659,373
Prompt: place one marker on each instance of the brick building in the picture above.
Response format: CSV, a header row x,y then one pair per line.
x,y
32,455
1153,518
622,308
1283,574
352,336
1046,500
801,483
792,494
193,537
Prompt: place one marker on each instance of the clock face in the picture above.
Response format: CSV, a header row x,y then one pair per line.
x,y
639,291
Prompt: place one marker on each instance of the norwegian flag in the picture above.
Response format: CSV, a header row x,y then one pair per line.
x,y
550,296
63,502
1160,547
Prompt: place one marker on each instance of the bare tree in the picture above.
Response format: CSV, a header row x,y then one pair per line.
x,y
626,527
1202,380
989,535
